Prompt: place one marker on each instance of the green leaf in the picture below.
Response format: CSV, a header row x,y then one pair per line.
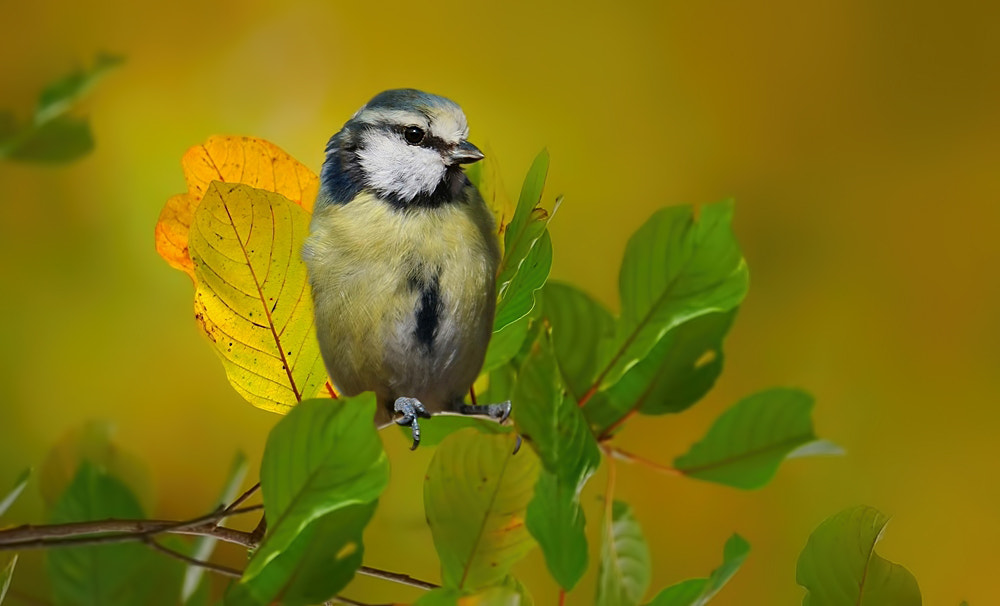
x,y
623,576
680,369
553,423
839,564
679,265
698,592
524,266
5,576
503,380
746,444
435,429
320,562
518,299
556,429
581,329
60,96
53,135
204,546
556,520
97,574
505,343
323,456
252,298
509,593
19,484
475,495
62,139
520,231
681,594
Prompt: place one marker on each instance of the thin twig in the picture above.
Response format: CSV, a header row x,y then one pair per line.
x,y
243,497
119,531
330,390
223,570
396,577
618,453
610,429
257,534
81,533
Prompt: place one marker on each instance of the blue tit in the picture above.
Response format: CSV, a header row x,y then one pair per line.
x,y
402,258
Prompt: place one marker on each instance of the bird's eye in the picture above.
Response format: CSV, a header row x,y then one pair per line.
x,y
413,134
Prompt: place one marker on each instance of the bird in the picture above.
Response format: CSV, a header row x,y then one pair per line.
x,y
402,256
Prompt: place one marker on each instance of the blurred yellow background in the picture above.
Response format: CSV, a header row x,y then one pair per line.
x,y
861,141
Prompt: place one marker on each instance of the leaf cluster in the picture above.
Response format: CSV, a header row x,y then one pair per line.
x,y
576,373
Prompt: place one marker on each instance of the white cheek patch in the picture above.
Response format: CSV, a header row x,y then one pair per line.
x,y
395,167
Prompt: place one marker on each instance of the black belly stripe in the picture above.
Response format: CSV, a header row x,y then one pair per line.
x,y
428,314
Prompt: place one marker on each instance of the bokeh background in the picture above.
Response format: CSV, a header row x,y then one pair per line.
x,y
860,139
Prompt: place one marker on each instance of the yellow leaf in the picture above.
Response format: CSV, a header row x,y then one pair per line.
x,y
476,492
252,297
247,160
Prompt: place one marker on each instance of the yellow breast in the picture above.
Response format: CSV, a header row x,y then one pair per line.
x,y
404,298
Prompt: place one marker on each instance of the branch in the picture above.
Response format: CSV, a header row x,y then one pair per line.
x,y
81,533
618,453
243,497
396,577
108,531
223,570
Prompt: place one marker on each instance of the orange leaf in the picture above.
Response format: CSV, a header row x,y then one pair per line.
x,y
246,160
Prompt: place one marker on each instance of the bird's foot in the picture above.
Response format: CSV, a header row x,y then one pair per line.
x,y
411,409
499,412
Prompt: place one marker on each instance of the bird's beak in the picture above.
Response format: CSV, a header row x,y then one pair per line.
x,y
466,153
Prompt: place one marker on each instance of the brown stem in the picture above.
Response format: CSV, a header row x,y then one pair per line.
x,y
609,430
330,390
257,534
396,577
618,453
119,531
223,570
80,533
243,497
589,394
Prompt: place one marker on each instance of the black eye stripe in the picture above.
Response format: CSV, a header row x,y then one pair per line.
x,y
434,143
429,141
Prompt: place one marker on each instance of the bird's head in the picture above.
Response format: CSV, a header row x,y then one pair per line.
x,y
404,144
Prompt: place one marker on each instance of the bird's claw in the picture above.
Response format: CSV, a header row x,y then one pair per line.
x,y
411,409
500,412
